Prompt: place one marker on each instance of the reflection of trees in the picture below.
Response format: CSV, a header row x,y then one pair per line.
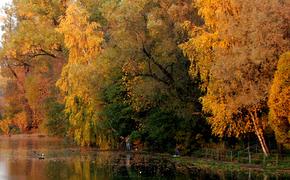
x,y
72,169
109,165
23,166
58,170
112,165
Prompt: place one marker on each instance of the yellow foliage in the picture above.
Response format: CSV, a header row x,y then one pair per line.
x,y
234,53
78,79
84,44
279,101
82,38
35,30
211,11
4,126
20,121
200,50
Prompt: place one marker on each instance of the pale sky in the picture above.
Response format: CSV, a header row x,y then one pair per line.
x,y
2,3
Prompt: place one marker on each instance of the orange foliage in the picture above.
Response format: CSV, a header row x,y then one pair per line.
x,y
20,121
4,126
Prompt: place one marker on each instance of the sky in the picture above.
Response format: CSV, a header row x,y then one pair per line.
x,y
2,3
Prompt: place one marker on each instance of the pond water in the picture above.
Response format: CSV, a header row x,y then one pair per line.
x,y
21,158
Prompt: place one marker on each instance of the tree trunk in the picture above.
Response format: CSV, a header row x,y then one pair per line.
x,y
260,134
262,142
26,107
29,114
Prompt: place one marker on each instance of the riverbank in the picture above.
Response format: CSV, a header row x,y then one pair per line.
x,y
186,162
182,163
29,136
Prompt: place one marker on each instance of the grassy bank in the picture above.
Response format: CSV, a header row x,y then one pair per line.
x,y
193,162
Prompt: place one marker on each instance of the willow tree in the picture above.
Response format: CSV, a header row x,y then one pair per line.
x,y
236,54
78,80
279,101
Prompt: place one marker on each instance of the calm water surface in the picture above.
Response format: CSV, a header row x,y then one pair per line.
x,y
20,158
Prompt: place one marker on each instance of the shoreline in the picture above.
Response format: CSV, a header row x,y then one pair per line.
x,y
188,162
193,162
30,136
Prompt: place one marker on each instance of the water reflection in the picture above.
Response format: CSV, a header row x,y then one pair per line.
x,y
3,170
19,159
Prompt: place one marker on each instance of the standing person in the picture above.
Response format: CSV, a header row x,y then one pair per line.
x,y
177,153
128,144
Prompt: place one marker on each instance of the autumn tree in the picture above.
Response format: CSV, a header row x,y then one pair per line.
x,y
146,36
236,52
78,81
30,37
279,101
141,43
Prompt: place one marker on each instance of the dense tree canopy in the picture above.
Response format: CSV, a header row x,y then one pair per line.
x,y
236,53
161,72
